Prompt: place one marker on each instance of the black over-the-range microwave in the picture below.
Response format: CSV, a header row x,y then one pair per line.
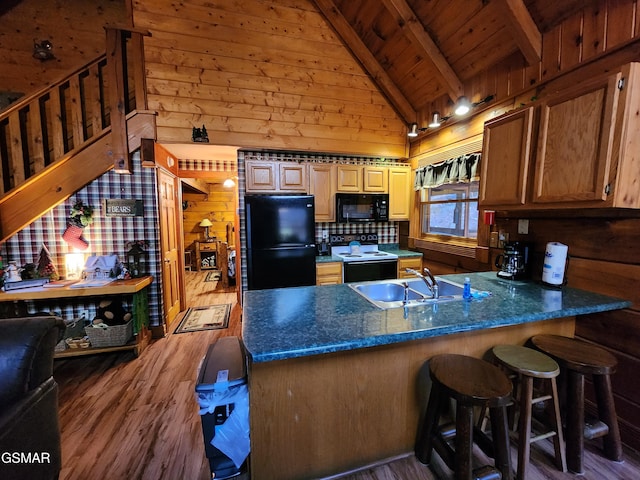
x,y
362,207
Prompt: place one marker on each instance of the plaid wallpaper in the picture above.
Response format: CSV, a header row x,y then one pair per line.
x,y
106,236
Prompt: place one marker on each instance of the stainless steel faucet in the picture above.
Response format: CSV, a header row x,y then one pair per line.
x,y
428,279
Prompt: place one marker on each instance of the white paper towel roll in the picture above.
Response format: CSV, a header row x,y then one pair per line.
x,y
555,259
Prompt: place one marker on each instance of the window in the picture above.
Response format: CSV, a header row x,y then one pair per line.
x,y
450,210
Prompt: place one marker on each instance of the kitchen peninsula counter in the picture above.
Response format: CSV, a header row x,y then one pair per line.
x,y
337,384
292,322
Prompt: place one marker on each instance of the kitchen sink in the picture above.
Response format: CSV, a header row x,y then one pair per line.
x,y
391,293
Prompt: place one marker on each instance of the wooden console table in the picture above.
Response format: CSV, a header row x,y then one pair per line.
x,y
137,287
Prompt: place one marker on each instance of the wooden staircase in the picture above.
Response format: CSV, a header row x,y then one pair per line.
x,y
57,140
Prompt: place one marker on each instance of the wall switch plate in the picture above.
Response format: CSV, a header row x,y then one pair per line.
x,y
523,226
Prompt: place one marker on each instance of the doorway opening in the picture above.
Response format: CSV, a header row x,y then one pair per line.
x,y
210,230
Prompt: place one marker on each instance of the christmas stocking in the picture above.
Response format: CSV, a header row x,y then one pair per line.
x,y
73,236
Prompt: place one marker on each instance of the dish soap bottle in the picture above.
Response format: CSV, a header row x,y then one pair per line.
x,y
466,290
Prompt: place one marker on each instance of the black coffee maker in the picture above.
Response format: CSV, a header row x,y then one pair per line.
x,y
515,261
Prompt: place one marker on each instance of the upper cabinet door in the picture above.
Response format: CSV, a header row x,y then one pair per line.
x,y
505,159
322,185
260,176
575,144
350,178
399,193
293,176
375,179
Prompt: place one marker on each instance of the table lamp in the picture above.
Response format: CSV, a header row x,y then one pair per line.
x,y
206,223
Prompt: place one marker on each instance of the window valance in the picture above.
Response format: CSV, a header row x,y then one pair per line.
x,y
464,168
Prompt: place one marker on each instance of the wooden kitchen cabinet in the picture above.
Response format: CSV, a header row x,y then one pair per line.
x,y
575,144
322,185
350,178
362,179
585,154
506,156
293,177
260,176
275,177
399,193
375,179
409,262
329,273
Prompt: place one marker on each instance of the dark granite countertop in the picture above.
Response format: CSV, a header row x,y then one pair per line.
x,y
286,323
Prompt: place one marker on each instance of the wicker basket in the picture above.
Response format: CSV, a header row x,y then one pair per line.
x,y
112,336
75,328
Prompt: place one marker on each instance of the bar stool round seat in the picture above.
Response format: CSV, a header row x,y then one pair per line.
x,y
471,382
580,358
528,364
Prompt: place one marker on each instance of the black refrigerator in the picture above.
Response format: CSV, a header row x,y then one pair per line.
x,y
281,250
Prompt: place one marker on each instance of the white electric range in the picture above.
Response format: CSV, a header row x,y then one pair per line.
x,y
363,261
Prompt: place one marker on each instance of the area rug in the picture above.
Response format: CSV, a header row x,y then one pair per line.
x,y
213,317
213,276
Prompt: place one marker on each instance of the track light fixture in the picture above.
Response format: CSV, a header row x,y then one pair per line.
x,y
462,106
437,120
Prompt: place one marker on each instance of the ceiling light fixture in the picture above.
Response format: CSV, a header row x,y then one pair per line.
x,y
436,121
462,106
229,183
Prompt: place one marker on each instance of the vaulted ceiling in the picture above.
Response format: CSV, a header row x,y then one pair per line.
x,y
421,51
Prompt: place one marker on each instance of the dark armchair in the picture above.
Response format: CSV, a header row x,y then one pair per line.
x,y
29,429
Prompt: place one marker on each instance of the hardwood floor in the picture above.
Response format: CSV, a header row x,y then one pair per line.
x,y
137,418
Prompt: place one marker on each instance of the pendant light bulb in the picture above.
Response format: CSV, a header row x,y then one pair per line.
x,y
462,106
413,132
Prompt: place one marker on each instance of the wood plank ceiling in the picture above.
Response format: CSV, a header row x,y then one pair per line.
x,y
422,52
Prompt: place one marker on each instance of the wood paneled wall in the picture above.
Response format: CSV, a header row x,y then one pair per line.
x,y
603,245
218,206
264,75
603,28
74,28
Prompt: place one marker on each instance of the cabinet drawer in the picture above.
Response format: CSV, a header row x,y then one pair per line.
x,y
410,262
328,273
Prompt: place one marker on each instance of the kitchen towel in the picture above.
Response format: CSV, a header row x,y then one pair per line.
x,y
555,260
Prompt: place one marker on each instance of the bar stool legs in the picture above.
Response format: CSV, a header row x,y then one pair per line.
x,y
528,365
472,383
579,358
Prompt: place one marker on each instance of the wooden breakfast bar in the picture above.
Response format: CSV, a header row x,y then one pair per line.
x,y
337,384
136,287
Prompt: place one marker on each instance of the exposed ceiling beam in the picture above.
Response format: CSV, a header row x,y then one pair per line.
x,y
412,27
525,31
352,41
7,5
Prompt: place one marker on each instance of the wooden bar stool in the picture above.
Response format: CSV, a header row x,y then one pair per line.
x,y
580,358
530,364
472,383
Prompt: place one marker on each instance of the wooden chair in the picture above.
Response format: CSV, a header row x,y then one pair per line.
x,y
471,383
579,358
528,364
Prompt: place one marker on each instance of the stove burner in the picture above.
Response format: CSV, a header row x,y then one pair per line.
x,y
350,255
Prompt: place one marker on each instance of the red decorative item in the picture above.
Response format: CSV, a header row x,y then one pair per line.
x,y
73,236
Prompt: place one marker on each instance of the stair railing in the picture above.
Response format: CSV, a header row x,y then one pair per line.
x,y
43,128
